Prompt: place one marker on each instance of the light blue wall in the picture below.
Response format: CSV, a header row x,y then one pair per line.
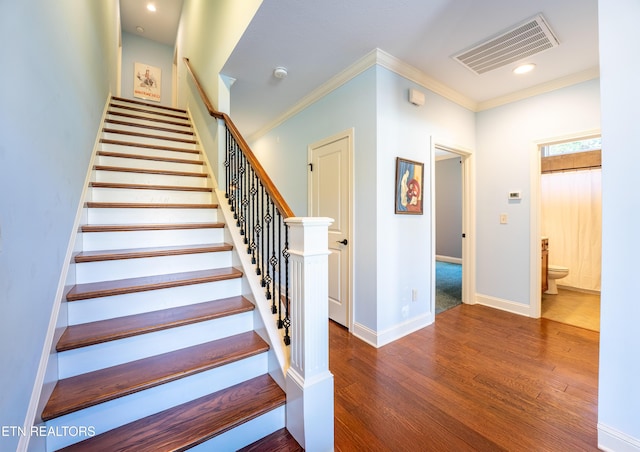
x,y
619,388
391,252
58,61
136,49
404,252
283,153
506,136
207,34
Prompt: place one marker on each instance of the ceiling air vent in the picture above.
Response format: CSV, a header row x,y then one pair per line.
x,y
528,38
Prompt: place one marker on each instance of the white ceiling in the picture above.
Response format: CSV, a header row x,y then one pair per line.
x,y
160,26
315,40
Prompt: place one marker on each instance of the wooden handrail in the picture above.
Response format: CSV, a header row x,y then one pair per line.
x,y
269,186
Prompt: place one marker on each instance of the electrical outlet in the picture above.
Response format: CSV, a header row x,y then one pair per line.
x,y
503,218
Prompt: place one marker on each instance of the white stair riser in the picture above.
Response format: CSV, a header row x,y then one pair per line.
x,y
96,241
134,128
168,123
116,413
149,164
88,272
126,177
151,152
150,216
102,308
149,107
112,353
247,433
150,114
99,194
148,140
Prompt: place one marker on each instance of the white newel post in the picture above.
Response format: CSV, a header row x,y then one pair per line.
x,y
309,382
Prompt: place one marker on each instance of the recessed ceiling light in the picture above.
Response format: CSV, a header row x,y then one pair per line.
x,y
524,68
151,7
139,29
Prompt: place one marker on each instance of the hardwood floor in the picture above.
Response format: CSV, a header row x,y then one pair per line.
x,y
478,379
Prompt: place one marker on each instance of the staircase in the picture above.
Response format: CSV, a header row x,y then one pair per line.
x,y
160,352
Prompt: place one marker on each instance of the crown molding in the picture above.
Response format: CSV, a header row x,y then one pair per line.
x,y
333,83
563,82
417,76
383,59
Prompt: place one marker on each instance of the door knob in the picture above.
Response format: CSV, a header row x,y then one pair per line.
x,y
344,242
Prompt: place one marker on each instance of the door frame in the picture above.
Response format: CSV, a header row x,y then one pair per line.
x,y
349,135
535,215
468,221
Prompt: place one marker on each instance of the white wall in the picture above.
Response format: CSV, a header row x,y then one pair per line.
x,y
505,139
136,49
619,389
448,174
59,62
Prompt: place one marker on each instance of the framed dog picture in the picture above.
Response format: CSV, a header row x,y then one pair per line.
x,y
147,82
409,187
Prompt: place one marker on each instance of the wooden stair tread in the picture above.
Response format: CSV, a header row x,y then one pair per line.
x,y
149,171
279,441
125,155
147,104
192,423
146,118
82,335
147,126
148,135
142,110
145,283
136,253
148,186
148,146
148,227
148,205
89,389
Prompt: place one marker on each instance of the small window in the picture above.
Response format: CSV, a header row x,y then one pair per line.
x,y
572,147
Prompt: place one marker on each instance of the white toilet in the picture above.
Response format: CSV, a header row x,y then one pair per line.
x,y
555,272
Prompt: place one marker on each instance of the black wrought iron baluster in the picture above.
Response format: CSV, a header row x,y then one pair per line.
x,y
227,165
256,224
268,238
287,317
273,260
261,249
279,262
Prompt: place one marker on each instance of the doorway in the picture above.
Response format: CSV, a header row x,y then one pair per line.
x,y
453,274
331,195
567,188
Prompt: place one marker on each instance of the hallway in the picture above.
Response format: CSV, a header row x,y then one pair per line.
x,y
478,379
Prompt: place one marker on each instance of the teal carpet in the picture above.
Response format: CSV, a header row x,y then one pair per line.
x,y
448,286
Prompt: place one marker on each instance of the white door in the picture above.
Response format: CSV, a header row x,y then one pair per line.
x,y
329,196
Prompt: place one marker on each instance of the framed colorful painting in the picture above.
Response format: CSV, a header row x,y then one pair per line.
x,y
409,187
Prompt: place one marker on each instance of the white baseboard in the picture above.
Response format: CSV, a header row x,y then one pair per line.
x,y
504,305
451,260
391,334
610,439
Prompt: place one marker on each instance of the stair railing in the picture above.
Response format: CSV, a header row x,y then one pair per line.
x,y
260,212
290,255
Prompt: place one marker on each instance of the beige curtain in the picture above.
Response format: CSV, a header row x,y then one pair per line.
x,y
572,220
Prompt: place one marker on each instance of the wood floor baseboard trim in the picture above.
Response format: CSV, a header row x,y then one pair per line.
x,y
503,305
